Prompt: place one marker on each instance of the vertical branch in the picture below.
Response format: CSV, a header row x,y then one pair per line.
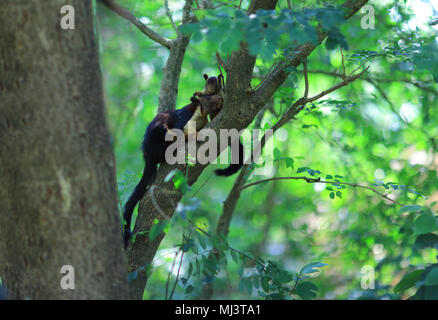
x,y
306,79
172,69
169,15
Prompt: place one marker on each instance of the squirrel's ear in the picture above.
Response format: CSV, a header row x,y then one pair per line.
x,y
205,76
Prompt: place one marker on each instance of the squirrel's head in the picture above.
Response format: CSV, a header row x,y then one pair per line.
x,y
212,85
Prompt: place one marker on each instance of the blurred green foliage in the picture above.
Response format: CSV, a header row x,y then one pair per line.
x,y
380,131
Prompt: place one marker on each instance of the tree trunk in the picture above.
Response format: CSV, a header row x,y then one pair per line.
x,y
58,198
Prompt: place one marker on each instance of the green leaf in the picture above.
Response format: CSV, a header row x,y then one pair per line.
x,y
277,154
334,38
289,163
157,229
256,282
331,43
332,195
431,292
302,169
219,242
285,276
189,289
265,283
428,240
432,277
246,285
234,256
202,241
197,36
306,290
170,175
197,268
309,268
190,271
275,296
189,27
425,223
408,281
180,182
426,59
410,208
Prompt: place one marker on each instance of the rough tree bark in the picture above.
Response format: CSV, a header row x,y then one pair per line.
x,y
172,70
58,199
240,108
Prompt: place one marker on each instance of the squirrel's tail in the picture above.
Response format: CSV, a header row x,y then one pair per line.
x,y
234,167
148,177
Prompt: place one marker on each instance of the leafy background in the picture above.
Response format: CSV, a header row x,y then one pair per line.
x,y
292,239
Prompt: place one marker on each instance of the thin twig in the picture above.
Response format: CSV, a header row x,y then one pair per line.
x,y
264,77
124,13
168,276
343,64
179,267
318,180
346,81
394,110
306,79
415,83
221,62
300,103
166,7
177,275
203,184
295,285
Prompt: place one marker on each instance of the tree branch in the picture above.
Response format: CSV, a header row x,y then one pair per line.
x,y
318,180
419,84
124,13
234,194
374,83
